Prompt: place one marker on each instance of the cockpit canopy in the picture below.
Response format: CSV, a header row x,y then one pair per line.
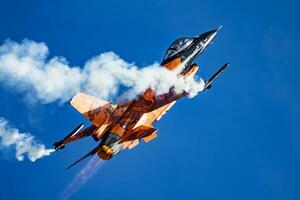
x,y
177,46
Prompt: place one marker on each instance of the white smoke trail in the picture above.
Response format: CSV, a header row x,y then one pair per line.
x,y
24,143
25,67
85,174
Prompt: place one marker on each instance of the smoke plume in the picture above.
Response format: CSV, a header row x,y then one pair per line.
x,y
26,67
24,143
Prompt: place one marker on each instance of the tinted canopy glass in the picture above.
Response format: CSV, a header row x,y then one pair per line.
x,y
177,46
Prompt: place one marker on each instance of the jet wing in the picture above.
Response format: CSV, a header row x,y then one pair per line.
x,y
144,128
155,115
96,110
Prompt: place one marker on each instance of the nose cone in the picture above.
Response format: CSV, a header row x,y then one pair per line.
x,y
206,38
212,34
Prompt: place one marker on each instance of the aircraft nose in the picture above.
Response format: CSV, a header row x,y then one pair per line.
x,y
210,35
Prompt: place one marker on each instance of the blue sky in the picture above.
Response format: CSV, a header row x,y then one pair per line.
x,y
240,140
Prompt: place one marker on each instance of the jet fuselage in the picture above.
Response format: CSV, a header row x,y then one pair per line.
x,y
180,63
122,126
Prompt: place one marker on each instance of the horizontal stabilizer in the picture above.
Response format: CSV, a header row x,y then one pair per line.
x,y
150,137
138,133
133,144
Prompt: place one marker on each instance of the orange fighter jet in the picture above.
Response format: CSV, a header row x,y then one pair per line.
x,y
118,127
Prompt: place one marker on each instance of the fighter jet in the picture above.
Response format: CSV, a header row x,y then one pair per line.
x,y
118,127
